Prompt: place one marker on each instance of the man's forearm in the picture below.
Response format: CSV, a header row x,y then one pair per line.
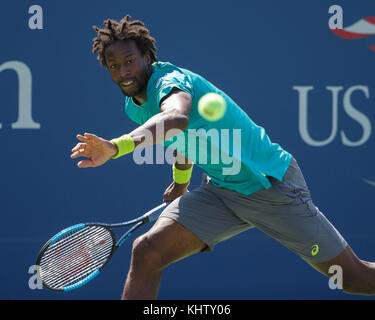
x,y
181,162
159,128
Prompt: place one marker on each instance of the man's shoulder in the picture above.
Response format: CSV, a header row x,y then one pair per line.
x,y
166,74
167,71
161,66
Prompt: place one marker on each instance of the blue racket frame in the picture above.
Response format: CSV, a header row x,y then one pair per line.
x,y
150,216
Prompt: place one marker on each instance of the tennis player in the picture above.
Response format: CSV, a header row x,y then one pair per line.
x,y
268,192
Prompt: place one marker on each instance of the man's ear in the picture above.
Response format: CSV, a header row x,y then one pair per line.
x,y
148,58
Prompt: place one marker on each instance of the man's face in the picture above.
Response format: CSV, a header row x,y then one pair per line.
x,y
129,69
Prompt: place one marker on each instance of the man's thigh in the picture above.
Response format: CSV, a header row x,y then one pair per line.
x,y
171,240
206,216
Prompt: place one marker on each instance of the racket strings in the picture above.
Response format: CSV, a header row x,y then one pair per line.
x,y
74,256
73,259
64,246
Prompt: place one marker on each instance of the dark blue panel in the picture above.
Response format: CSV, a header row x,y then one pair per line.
x,y
262,53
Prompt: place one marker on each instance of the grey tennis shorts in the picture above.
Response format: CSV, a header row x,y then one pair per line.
x,y
285,211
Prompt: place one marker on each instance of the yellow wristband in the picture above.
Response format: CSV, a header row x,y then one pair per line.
x,y
125,144
182,176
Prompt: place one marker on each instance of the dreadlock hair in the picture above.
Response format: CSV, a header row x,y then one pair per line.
x,y
123,30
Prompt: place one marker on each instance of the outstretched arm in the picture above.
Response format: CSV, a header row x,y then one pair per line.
x,y
174,114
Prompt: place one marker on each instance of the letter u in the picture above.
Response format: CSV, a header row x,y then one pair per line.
x,y
303,115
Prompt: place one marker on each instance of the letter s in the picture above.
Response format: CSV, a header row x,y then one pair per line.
x,y
356,115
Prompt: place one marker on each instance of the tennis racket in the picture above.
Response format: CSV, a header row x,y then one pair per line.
x,y
77,254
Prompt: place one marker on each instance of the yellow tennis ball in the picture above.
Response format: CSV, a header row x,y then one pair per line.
x,y
212,106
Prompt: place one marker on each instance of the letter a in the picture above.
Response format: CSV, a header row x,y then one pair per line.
x,y
36,20
34,281
335,281
336,21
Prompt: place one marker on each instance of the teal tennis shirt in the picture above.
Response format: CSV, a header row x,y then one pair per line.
x,y
234,152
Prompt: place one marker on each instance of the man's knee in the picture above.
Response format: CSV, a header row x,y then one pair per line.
x,y
145,256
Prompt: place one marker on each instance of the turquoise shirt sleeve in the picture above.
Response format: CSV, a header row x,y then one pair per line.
x,y
171,79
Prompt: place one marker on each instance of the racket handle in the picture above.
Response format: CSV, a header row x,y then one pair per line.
x,y
154,213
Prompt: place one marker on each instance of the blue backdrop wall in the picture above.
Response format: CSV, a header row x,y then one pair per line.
x,y
276,59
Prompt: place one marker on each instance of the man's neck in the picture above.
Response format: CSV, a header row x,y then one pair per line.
x,y
142,97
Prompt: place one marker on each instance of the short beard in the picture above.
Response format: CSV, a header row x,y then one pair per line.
x,y
147,76
133,95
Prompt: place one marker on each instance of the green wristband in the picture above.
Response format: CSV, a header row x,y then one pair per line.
x,y
182,176
125,144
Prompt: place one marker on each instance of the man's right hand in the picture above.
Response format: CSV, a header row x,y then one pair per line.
x,y
97,150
